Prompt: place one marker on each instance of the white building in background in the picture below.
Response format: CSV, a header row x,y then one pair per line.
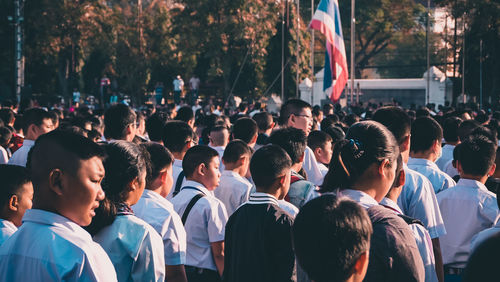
x,y
406,91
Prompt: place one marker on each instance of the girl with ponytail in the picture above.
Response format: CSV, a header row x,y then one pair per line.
x,y
133,246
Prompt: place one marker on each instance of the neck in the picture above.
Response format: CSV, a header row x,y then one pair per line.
x,y
424,155
234,168
274,192
178,155
478,178
297,167
199,179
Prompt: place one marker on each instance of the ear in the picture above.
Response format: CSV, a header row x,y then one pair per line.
x,y
291,119
382,167
134,184
254,139
301,159
361,265
13,203
201,169
55,181
492,170
406,143
458,166
163,177
273,125
401,178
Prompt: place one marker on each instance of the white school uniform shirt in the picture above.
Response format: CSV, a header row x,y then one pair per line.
x,y
176,170
7,228
288,207
50,247
365,200
20,157
450,169
467,209
160,214
134,248
446,156
220,151
323,169
233,190
205,224
310,165
423,240
440,180
418,200
484,235
4,156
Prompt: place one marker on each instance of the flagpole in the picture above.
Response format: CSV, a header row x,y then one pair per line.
x,y
298,50
312,53
283,53
353,46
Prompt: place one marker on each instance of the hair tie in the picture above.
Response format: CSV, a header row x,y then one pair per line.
x,y
356,148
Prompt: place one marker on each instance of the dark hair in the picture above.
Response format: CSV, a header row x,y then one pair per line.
x,y
185,114
264,120
12,177
335,132
7,116
482,263
476,155
155,124
450,129
292,106
424,132
176,134
485,131
466,128
196,156
351,119
5,135
116,120
53,116
367,142
329,235
235,150
267,164
160,158
124,162
93,134
292,140
396,120
245,129
34,116
318,139
399,170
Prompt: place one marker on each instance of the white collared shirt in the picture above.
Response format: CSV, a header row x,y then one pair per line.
x,y
257,198
7,228
310,165
135,249
446,156
289,208
365,200
220,151
484,235
160,214
323,169
450,169
53,248
422,239
176,170
418,200
205,224
20,157
440,180
467,209
233,190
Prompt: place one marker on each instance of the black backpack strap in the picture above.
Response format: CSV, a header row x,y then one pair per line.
x,y
410,220
190,206
178,183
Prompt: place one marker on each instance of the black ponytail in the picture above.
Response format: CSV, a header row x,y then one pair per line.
x,y
366,143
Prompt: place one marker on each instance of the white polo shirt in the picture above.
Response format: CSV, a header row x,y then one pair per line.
x,y
233,190
418,200
20,157
50,247
176,170
310,165
7,228
440,181
422,239
205,224
467,209
160,214
135,249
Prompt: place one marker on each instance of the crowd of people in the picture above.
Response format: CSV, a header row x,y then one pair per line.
x,y
191,193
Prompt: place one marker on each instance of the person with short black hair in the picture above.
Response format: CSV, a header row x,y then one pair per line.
x,y
331,239
119,123
178,137
483,262
363,169
203,215
36,122
450,134
219,138
293,141
158,212
469,207
186,115
154,126
16,195
265,124
321,144
5,137
234,188
246,130
66,171
425,149
258,242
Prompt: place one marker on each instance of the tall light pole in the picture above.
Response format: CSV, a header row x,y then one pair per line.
x,y
427,35
312,53
283,52
353,46
481,73
463,61
298,51
18,36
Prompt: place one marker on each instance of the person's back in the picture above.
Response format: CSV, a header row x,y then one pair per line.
x,y
258,243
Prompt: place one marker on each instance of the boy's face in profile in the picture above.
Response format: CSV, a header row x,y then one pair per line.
x,y
81,191
25,201
212,174
302,120
325,154
46,127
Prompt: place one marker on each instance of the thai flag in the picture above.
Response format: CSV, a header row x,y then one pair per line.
x,y
327,21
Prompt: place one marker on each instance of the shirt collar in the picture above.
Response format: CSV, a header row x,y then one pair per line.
x,y
230,173
360,197
424,162
472,184
197,186
178,163
390,204
262,198
8,224
149,194
50,218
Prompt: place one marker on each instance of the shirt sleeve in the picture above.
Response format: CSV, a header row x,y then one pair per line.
x,y
310,165
217,219
174,241
150,262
